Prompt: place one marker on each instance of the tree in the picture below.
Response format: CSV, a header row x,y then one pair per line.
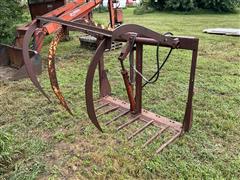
x,y
11,12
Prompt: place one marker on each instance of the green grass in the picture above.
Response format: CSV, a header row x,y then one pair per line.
x,y
42,141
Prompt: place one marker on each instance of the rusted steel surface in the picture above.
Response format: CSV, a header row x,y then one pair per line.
x,y
129,122
26,58
146,116
52,69
129,89
104,86
168,142
112,14
101,106
124,31
140,130
155,136
187,123
108,111
15,71
89,83
118,116
138,86
164,124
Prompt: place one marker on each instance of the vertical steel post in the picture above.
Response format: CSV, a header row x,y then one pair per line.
x,y
131,63
111,13
187,122
104,86
138,92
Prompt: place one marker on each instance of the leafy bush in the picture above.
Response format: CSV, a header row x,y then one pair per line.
x,y
180,5
11,12
188,5
144,7
218,5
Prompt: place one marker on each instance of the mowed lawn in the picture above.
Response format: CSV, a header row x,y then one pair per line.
x,y
40,140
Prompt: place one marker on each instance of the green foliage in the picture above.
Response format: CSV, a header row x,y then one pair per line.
x,y
144,7
139,10
181,5
218,5
11,12
188,5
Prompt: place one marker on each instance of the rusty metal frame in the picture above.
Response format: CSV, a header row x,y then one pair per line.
x,y
143,36
150,38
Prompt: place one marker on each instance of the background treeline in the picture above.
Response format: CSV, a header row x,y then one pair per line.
x,y
189,5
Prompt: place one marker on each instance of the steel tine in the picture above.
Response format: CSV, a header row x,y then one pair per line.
x,y
97,101
27,61
52,70
101,106
168,142
118,116
129,122
140,130
89,83
108,111
155,136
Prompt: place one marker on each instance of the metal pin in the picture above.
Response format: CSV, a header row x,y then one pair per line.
x,y
129,122
168,142
155,136
140,130
108,111
117,117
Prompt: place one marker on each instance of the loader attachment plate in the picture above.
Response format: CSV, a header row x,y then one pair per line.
x,y
12,65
